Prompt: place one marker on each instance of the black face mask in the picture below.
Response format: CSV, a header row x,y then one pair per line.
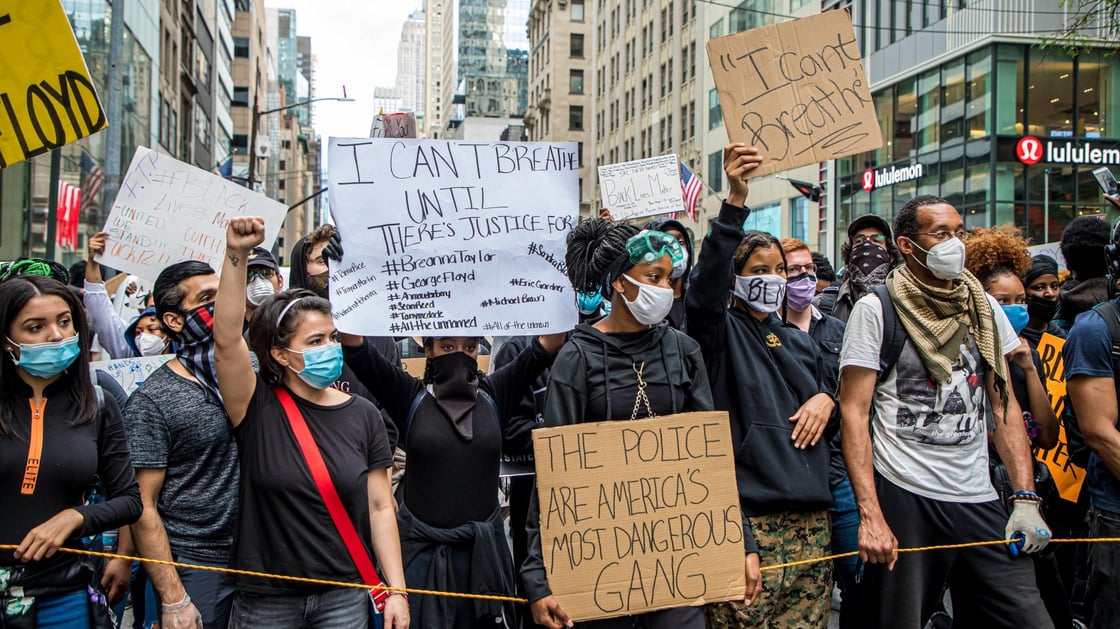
x,y
319,283
454,379
1042,309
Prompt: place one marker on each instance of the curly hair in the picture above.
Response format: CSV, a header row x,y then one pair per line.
x,y
1083,243
824,267
996,251
594,246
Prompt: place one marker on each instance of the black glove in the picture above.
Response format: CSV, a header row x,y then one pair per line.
x,y
333,250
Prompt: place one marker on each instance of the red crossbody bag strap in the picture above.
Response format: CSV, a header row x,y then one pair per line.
x,y
323,481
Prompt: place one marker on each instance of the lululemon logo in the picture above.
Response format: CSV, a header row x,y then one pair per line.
x,y
868,180
1029,150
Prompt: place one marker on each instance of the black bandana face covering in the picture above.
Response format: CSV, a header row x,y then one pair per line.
x,y
1042,309
196,347
455,388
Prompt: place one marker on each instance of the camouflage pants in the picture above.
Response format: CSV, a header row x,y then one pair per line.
x,y
791,598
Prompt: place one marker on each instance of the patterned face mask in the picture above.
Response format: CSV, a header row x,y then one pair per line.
x,y
196,347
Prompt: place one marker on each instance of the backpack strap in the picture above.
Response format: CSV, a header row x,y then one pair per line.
x,y
1111,314
826,301
894,335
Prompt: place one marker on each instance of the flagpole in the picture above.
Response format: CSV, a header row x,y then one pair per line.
x,y
52,202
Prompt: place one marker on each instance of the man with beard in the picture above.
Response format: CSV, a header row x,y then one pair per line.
x,y
868,255
185,457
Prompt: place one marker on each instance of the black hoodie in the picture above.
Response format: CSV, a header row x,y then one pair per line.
x,y
761,373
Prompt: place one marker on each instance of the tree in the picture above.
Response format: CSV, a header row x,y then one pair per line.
x,y
1091,23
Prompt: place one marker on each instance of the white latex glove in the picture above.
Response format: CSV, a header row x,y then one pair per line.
x,y
1027,520
186,617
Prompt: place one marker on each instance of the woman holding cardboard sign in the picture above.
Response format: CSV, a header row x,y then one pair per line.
x,y
766,374
625,366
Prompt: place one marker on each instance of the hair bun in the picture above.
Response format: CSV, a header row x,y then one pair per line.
x,y
593,246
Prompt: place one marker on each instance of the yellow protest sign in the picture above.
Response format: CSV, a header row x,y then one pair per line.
x,y
47,98
1067,476
642,515
796,90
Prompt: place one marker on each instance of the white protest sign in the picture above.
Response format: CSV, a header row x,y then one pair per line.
x,y
456,238
168,211
643,187
131,372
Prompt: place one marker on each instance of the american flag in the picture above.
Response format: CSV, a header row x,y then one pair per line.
x,y
690,190
69,215
93,179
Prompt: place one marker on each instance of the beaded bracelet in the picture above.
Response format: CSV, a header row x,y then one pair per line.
x,y
1027,495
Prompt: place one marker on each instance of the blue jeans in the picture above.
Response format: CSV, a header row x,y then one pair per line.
x,y
342,607
845,538
1102,598
65,611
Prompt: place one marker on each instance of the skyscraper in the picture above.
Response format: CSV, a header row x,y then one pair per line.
x,y
412,68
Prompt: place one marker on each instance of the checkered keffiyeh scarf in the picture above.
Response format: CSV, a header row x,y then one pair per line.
x,y
938,322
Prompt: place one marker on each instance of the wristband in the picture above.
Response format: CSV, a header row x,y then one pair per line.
x,y
398,593
174,607
1026,495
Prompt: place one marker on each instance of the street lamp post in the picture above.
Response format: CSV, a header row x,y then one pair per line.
x,y
257,118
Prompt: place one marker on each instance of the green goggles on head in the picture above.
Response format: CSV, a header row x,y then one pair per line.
x,y
649,246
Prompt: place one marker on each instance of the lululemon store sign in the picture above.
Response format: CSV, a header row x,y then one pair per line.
x,y
894,175
1031,150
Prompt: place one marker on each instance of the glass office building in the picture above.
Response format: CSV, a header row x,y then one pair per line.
x,y
494,56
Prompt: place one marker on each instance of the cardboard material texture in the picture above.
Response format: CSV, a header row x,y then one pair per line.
x,y
47,98
1067,476
398,125
640,515
643,187
796,90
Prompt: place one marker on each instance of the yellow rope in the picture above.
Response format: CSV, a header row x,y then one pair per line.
x,y
513,599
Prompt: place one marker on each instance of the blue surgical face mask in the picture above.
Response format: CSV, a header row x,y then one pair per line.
x,y
589,302
47,360
321,365
1018,316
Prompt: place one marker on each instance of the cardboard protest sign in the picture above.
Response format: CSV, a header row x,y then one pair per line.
x,y
643,187
47,98
131,372
1067,476
168,211
398,125
455,238
796,90
638,516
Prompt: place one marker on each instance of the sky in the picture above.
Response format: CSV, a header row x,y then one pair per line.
x,y
355,44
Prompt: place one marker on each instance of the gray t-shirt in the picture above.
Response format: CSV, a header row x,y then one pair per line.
x,y
173,424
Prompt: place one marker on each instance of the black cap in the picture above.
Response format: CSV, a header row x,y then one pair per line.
x,y
870,220
260,256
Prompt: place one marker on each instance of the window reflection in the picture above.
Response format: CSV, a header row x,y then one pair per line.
x,y
1050,95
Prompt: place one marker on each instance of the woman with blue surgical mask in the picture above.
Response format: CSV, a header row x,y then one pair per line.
x,y
628,365
767,375
296,343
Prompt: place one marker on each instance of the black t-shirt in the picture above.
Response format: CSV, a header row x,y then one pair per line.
x,y
284,526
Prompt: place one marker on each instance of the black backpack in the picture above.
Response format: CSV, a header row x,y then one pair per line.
x,y
894,335
1079,451
826,301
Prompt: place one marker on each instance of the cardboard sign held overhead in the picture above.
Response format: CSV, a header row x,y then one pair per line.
x,y
452,238
639,516
168,211
644,187
797,90
47,98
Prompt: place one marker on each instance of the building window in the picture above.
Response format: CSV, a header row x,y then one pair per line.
x,y
715,114
577,45
577,10
715,171
241,47
575,81
575,118
239,144
799,218
240,97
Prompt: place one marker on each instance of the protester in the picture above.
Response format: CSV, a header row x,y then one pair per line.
x,y
767,376
826,275
678,280
1043,290
868,254
185,457
52,456
144,336
1082,245
915,435
625,366
452,422
828,332
283,526
264,280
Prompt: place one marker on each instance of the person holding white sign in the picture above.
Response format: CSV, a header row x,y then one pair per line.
x,y
625,366
767,375
283,527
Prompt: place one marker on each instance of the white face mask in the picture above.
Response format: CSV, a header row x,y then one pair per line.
x,y
258,290
945,259
150,344
652,304
762,293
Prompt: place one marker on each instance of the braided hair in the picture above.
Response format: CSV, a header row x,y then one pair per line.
x,y
752,240
594,246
